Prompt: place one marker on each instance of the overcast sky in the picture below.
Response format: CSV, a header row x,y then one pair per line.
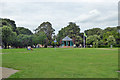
x,y
85,13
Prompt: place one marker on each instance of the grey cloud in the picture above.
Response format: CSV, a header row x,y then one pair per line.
x,y
32,14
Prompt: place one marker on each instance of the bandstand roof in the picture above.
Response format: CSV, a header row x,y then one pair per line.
x,y
67,39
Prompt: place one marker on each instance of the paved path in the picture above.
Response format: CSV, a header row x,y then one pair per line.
x,y
6,72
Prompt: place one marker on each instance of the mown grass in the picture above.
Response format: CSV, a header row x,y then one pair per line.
x,y
62,62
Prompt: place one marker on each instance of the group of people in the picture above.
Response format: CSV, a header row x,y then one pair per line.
x,y
79,46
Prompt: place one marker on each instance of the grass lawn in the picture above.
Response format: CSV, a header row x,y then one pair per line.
x,y
62,62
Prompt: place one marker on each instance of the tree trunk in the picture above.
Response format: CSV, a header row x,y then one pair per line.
x,y
8,46
5,45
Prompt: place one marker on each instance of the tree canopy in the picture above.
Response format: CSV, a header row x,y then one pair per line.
x,y
7,36
46,27
94,31
22,30
8,22
10,35
72,30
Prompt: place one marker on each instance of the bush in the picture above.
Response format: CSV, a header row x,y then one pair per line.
x,y
103,46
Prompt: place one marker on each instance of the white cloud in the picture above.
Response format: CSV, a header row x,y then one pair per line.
x,y
90,1
87,17
96,18
86,13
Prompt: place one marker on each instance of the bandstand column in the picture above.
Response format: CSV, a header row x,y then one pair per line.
x,y
66,43
70,43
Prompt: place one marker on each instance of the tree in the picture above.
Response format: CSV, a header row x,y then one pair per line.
x,y
109,31
72,30
12,40
7,35
35,39
104,35
39,38
78,40
95,43
46,27
94,31
93,40
24,40
0,36
118,37
22,30
42,38
9,23
111,40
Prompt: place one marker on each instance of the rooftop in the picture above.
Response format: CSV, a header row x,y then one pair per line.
x,y
67,39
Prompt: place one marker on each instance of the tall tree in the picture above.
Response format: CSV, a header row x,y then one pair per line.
x,y
46,27
7,35
72,30
12,40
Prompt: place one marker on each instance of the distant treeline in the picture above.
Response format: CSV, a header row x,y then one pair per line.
x,y
20,37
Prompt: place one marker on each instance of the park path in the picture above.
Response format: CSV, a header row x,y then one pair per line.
x,y
6,72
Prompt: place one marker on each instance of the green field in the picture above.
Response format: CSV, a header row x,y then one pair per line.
x,y
62,62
